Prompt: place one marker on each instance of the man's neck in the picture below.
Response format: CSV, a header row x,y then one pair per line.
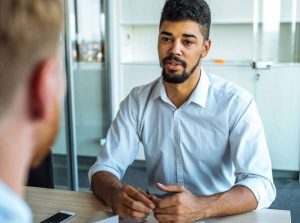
x,y
179,93
15,156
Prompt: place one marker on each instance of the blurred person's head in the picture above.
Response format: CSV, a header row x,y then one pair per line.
x,y
183,38
31,81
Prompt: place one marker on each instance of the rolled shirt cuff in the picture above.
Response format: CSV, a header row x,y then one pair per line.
x,y
98,167
263,190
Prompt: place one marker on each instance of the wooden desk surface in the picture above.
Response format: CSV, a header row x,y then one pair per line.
x,y
46,202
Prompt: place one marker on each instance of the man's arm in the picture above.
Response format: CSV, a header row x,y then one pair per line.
x,y
250,155
120,150
186,207
126,201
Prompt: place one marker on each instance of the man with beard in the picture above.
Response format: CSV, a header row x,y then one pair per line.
x,y
204,143
31,92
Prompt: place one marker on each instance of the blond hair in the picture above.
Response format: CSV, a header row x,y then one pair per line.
x,y
29,34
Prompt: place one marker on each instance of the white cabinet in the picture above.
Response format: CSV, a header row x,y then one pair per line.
x,y
278,100
241,74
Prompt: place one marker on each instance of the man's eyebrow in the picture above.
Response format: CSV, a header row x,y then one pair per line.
x,y
189,35
166,33
184,35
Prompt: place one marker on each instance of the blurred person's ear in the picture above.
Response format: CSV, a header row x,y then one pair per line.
x,y
45,94
42,90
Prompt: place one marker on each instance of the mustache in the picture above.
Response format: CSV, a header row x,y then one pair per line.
x,y
176,58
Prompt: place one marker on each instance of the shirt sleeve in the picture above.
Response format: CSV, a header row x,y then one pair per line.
x,y
122,141
250,154
13,208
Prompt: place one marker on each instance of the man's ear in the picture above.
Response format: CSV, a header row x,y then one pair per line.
x,y
41,90
206,48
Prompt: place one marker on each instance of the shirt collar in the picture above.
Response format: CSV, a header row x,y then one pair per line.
x,y
199,95
160,91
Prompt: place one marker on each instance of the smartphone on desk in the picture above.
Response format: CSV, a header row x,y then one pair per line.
x,y
60,217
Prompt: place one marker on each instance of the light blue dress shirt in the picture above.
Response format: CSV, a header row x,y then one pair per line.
x,y
214,141
13,208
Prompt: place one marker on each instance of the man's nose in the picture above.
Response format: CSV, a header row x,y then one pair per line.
x,y
176,48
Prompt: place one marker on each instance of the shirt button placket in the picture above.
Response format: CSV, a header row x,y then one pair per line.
x,y
178,157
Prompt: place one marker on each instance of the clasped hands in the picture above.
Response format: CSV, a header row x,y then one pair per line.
x,y
182,206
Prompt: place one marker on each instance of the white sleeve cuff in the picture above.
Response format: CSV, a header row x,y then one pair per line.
x,y
262,188
98,167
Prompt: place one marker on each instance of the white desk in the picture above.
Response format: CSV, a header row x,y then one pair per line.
x,y
262,216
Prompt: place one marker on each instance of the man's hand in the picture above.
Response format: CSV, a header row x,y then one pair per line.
x,y
132,203
180,207
183,206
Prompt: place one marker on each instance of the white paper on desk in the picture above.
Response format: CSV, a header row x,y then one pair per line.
x,y
151,219
109,217
103,217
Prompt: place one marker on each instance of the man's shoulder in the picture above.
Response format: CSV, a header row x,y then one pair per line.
x,y
140,92
227,89
140,96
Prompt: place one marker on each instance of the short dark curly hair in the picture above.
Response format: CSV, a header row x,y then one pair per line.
x,y
194,10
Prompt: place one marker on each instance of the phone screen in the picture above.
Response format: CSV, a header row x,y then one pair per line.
x,y
58,217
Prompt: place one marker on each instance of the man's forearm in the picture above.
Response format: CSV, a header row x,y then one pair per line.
x,y
237,200
105,185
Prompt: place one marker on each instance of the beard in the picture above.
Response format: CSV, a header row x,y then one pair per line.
x,y
46,137
177,78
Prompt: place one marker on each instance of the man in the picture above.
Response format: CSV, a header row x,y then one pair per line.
x,y
31,90
204,143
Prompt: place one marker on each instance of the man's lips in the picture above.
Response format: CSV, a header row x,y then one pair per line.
x,y
173,65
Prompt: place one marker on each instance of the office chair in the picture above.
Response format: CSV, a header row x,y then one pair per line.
x,y
42,176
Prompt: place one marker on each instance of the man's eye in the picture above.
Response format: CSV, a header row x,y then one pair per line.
x,y
188,42
166,39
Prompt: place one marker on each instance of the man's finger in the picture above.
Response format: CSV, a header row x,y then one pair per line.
x,y
155,200
144,193
136,205
138,196
167,202
133,214
170,188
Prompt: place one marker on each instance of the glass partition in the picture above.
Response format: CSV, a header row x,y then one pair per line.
x,y
88,112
